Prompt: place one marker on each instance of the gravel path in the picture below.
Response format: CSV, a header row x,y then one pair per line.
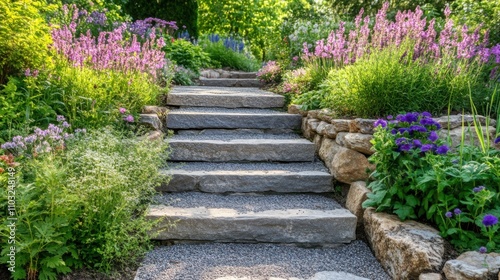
x,y
210,166
248,202
256,261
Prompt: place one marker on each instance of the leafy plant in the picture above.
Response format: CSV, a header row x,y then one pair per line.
x,y
418,177
270,73
24,37
228,52
188,55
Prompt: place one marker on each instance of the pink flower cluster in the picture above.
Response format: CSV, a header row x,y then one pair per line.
x,y
271,72
409,26
110,50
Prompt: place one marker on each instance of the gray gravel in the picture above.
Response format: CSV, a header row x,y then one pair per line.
x,y
256,261
220,90
209,166
248,202
218,110
230,136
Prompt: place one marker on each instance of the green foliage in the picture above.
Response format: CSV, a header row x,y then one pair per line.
x,y
256,21
184,77
24,36
389,82
82,206
184,53
183,12
421,180
479,13
114,8
220,56
350,8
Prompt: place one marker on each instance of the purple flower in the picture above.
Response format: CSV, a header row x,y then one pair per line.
x,y
433,136
380,122
60,118
122,110
441,150
489,220
394,132
405,147
457,211
129,118
478,189
27,72
390,117
418,128
66,124
448,214
426,114
401,141
483,250
417,143
425,148
497,140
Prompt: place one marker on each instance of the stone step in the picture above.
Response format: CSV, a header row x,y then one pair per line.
x,y
208,117
243,148
220,73
229,82
196,96
248,177
241,131
304,219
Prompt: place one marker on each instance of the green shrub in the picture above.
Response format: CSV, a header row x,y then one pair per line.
x,y
184,53
24,37
418,177
79,201
183,12
479,13
390,82
225,56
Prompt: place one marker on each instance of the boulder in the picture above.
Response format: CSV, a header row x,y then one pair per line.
x,y
294,109
325,115
155,110
470,136
341,125
362,126
454,121
330,131
405,249
473,266
313,114
310,128
349,166
317,142
321,128
359,142
151,120
340,139
355,197
327,151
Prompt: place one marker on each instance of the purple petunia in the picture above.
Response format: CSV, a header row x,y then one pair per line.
x,y
441,150
405,147
417,143
490,220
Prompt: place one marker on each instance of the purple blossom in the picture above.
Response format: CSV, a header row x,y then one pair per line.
x,y
9,146
27,72
390,117
448,214
129,118
433,136
489,220
457,211
497,140
405,147
122,110
426,148
60,118
483,250
417,143
426,114
441,150
478,189
418,128
66,124
380,122
401,141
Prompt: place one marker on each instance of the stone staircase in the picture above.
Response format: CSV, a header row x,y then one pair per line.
x,y
241,173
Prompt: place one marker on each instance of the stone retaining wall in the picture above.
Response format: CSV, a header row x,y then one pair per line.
x,y
344,144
